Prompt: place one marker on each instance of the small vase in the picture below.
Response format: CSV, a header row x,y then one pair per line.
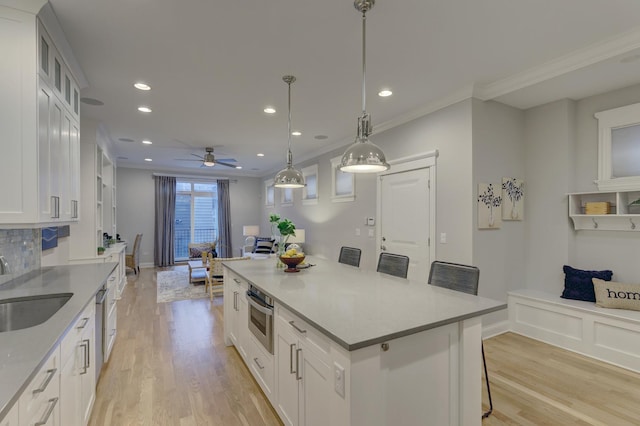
x,y
491,221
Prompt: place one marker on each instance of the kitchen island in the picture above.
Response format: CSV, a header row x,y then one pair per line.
x,y
24,352
356,347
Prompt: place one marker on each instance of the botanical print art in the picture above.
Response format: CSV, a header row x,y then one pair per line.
x,y
489,203
513,196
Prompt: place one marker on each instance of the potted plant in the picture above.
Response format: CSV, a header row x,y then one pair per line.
x,y
100,251
285,229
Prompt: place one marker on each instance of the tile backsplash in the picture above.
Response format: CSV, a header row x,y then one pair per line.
x,y
22,249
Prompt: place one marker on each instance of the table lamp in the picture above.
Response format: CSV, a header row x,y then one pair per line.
x,y
250,231
296,240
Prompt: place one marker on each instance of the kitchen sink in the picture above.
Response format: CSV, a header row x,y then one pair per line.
x,y
24,312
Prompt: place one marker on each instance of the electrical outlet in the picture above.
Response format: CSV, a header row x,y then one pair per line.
x,y
338,372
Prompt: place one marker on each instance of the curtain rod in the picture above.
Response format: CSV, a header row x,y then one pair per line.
x,y
196,177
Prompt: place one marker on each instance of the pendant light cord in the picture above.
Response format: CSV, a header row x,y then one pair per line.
x,y
364,62
289,79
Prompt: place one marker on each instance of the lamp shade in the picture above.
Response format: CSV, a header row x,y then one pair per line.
x,y
289,178
250,230
298,238
363,157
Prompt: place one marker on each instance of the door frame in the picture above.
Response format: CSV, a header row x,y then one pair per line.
x,y
425,160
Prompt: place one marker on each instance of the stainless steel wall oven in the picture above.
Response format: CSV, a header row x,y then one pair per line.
x,y
261,317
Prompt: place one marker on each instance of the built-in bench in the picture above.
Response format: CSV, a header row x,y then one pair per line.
x,y
611,335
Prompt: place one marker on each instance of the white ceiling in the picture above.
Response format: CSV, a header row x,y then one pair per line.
x,y
214,65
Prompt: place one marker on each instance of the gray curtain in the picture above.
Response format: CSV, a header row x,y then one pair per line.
x,y
224,220
165,217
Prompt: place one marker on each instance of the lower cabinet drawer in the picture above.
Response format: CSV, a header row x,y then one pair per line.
x,y
110,332
39,401
261,364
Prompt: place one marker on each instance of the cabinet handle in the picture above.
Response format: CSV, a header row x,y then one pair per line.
x,y
235,300
113,332
298,376
87,355
297,328
84,323
258,363
75,209
291,370
52,405
50,373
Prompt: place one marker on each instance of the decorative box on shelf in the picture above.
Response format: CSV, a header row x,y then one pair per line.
x,y
600,207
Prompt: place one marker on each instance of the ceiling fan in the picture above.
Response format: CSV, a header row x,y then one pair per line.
x,y
209,160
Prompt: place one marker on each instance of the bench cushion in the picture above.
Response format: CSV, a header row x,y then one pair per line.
x,y
578,284
610,294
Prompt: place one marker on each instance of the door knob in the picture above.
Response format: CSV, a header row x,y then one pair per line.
x,y
384,239
382,247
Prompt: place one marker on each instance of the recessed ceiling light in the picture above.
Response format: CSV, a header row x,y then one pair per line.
x,y
321,137
91,101
270,110
144,109
296,133
126,140
148,159
147,142
384,93
142,86
238,167
261,155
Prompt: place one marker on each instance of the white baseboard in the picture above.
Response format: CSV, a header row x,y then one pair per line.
x,y
495,329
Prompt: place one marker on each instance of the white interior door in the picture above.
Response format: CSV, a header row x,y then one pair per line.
x,y
405,218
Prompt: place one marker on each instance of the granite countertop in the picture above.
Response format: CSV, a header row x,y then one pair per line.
x,y
358,308
22,352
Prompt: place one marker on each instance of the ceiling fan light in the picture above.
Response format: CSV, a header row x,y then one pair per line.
x,y
209,160
363,157
289,178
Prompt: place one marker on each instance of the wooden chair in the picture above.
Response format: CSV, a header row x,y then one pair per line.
x,y
350,256
464,278
393,264
132,260
215,273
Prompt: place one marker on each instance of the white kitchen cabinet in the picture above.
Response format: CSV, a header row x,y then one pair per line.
x,y
624,214
77,381
12,418
36,143
110,327
236,312
261,364
304,371
40,400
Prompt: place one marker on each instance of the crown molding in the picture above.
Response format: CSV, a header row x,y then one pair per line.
x,y
581,58
30,6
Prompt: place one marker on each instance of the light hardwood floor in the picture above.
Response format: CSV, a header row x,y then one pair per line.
x,y
169,366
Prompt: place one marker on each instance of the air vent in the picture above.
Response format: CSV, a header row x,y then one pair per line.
x,y
126,140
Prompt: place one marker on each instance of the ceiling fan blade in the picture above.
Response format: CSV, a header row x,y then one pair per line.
x,y
186,159
225,164
199,156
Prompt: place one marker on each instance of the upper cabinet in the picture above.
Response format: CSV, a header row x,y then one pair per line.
x,y
39,124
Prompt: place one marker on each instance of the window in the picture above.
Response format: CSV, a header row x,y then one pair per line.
x,y
619,148
58,75
44,55
67,89
269,193
196,215
310,191
343,185
286,196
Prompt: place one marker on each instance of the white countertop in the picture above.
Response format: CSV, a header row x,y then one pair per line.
x,y
22,352
358,308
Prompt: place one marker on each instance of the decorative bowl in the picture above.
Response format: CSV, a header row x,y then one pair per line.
x,y
291,263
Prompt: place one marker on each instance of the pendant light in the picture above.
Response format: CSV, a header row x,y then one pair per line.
x,y
363,156
289,177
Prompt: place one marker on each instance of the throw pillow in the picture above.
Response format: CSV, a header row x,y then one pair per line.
x,y
578,285
196,249
610,294
260,240
264,247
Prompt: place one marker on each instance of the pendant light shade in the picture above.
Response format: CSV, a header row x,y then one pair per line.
x,y
363,156
289,177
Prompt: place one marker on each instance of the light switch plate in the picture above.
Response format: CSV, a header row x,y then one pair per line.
x,y
338,373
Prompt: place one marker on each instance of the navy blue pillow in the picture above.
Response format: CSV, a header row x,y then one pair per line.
x,y
578,284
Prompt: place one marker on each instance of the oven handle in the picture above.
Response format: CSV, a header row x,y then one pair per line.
x,y
254,304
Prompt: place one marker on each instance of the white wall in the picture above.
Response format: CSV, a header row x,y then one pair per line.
x,y
498,151
136,204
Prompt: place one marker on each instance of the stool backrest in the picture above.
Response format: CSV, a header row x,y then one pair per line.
x,y
350,256
393,264
455,276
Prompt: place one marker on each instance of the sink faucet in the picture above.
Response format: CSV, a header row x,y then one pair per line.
x,y
4,266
